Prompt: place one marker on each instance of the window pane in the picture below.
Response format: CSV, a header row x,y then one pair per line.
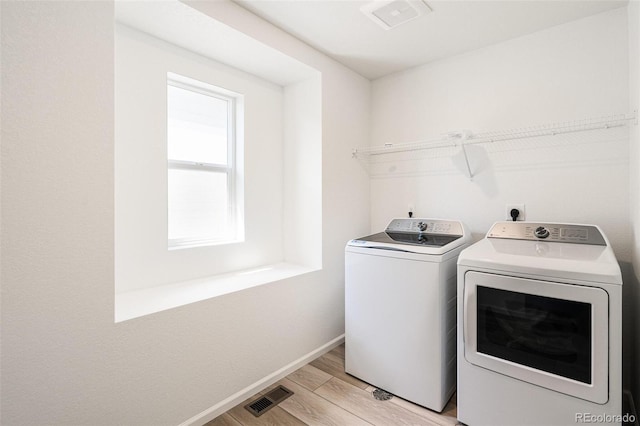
x,y
198,204
197,126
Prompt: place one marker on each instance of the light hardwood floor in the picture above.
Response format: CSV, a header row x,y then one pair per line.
x,y
325,395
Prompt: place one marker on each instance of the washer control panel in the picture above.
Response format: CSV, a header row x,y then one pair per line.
x,y
428,226
552,232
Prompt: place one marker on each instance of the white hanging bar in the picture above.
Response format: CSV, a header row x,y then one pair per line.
x,y
467,138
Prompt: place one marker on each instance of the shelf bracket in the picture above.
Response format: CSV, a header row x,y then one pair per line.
x,y
461,137
466,161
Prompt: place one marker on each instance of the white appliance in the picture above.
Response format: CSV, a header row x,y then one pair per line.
x,y
540,327
400,305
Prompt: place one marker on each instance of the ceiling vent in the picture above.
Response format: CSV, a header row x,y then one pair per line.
x,y
391,13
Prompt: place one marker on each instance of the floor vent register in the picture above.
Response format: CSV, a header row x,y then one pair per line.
x,y
268,401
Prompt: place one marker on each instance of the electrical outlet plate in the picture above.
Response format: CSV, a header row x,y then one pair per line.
x,y
509,207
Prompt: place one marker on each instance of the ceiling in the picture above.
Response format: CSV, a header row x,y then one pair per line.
x,y
339,29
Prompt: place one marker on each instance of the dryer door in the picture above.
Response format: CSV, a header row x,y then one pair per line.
x,y
550,334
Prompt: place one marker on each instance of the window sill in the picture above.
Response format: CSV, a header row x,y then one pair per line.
x,y
138,303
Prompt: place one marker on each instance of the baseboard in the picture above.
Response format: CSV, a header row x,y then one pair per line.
x,y
628,396
230,402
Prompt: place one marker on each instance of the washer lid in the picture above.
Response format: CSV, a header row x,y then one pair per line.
x,y
546,259
422,239
424,236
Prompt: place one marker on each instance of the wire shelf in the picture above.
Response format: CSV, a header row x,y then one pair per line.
x,y
462,138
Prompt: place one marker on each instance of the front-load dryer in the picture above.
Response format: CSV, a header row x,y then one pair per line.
x,y
539,327
400,308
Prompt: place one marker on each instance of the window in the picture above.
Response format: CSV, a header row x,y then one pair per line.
x,y
204,198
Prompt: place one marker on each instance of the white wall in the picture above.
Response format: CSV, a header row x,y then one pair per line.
x,y
141,255
569,72
633,300
64,361
302,172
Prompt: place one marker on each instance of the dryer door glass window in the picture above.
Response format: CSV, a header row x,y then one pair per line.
x,y
554,335
544,333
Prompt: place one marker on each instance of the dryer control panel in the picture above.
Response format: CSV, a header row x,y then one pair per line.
x,y
552,232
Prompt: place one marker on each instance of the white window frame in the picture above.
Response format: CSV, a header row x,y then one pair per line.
x,y
230,169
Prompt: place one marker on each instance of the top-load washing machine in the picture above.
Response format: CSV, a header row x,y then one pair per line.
x,y
400,307
539,327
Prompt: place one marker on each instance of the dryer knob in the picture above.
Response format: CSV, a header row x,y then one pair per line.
x,y
541,232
